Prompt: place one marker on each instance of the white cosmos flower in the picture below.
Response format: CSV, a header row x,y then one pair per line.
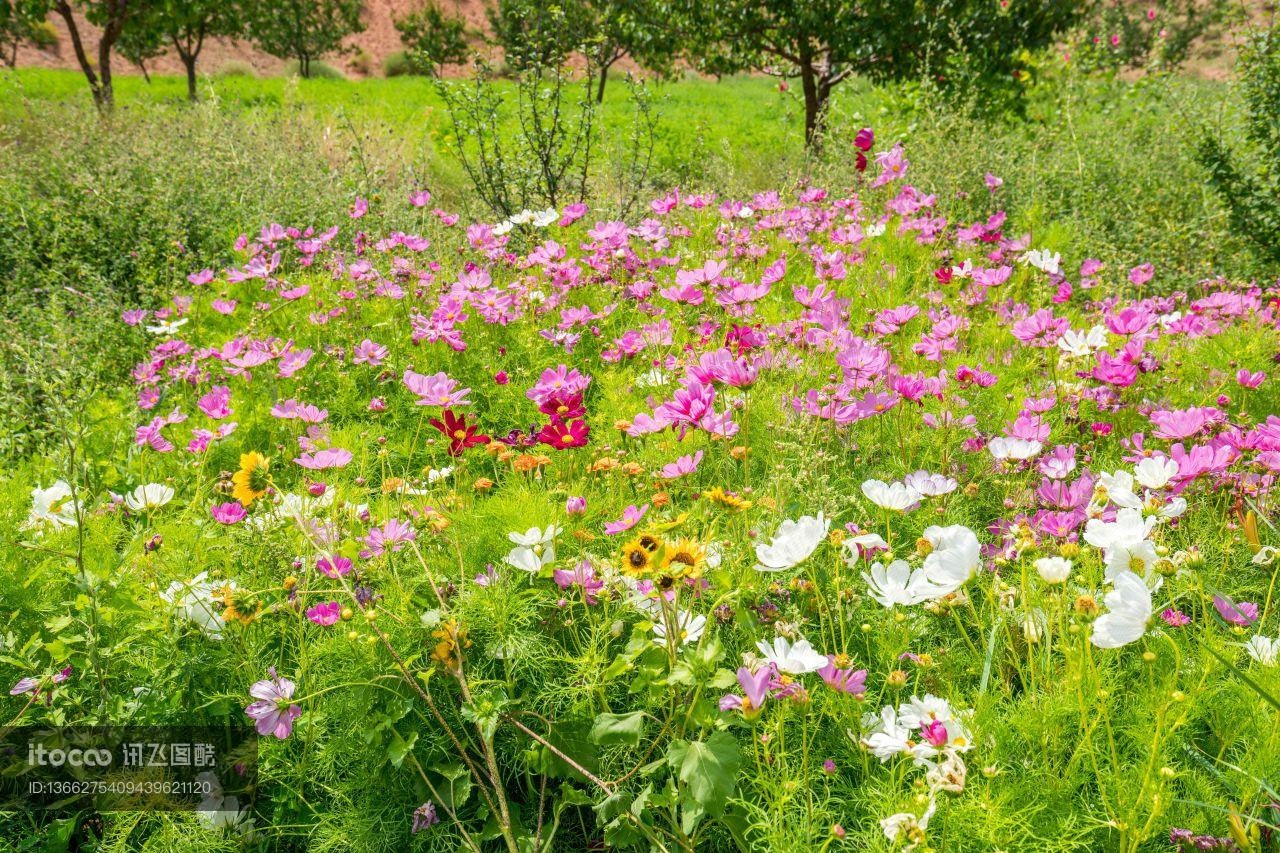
x,y
1124,543
895,496
534,549
896,584
689,627
1005,447
856,546
503,227
193,600
875,229
905,825
888,736
792,544
435,475
543,218
1044,260
955,558
1053,569
167,327
148,497
746,212
524,217
930,485
51,507
792,658
1119,487
1128,611
1155,472
1081,344
1264,650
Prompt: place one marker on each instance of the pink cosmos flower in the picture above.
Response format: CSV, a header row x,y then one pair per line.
x,y
681,467
1243,613
575,505
228,513
1142,273
851,681
630,518
325,614
864,139
391,536
333,457
420,198
436,390
367,352
1250,380
333,567
217,403
584,576
273,711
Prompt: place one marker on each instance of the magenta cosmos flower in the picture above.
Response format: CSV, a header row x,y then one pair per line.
x,y
562,435
228,513
332,457
630,518
325,614
273,712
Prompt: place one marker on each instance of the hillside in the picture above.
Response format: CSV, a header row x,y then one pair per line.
x,y
378,40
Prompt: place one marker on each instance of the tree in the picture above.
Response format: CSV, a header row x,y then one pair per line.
x,y
184,25
19,22
823,42
433,38
110,16
303,29
643,30
538,33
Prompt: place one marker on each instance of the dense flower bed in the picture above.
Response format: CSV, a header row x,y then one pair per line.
x,y
814,519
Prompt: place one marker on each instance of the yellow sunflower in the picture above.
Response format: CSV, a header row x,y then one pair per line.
x,y
251,480
726,499
637,555
684,558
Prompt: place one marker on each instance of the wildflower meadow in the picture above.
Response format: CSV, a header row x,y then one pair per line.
x,y
843,513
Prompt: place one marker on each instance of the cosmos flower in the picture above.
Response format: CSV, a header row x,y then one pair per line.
x,y
273,711
792,544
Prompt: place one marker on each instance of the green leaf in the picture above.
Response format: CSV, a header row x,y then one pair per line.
x,y
707,769
618,729
400,747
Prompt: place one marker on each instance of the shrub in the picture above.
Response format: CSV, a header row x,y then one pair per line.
x,y
44,35
1247,177
236,68
361,62
397,64
318,70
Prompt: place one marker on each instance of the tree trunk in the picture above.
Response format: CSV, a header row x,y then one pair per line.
x,y
813,104
190,62
604,77
77,44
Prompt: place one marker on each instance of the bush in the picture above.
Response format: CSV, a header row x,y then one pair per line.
x,y
319,70
361,62
398,64
236,68
1247,177
44,35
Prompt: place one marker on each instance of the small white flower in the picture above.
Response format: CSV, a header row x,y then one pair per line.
x,y
51,507
875,229
1044,260
1005,447
689,628
167,327
896,584
194,601
792,544
792,658
543,218
524,217
894,496
1128,611
955,558
1053,569
503,227
1155,473
930,485
534,549
148,497
1081,344
1124,543
1264,650
888,737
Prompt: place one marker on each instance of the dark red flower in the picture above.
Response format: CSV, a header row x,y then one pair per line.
x,y
562,435
461,435
563,408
